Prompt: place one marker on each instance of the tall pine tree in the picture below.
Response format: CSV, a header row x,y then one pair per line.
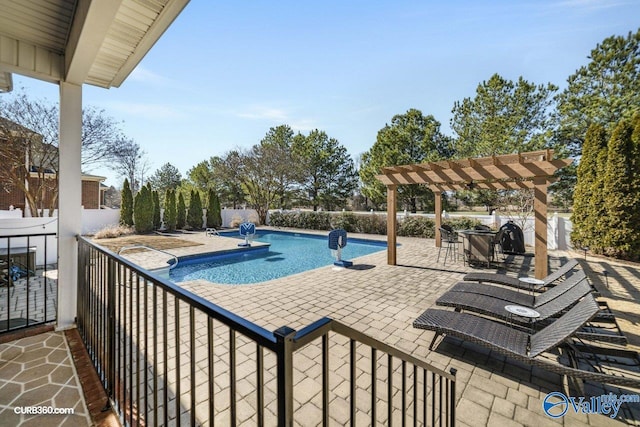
x,y
181,215
170,210
194,214
214,217
157,220
634,210
584,218
619,192
143,210
126,211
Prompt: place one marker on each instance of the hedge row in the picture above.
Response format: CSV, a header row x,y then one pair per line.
x,y
413,226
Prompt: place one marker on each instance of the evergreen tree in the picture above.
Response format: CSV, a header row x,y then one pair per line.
x,y
194,214
143,210
585,214
410,138
157,221
170,210
214,217
181,214
126,211
605,91
217,211
618,190
504,117
166,177
634,208
328,175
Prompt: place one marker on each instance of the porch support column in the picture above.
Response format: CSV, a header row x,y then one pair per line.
x,y
391,224
438,212
69,201
540,213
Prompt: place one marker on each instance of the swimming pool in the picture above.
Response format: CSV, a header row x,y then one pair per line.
x,y
288,254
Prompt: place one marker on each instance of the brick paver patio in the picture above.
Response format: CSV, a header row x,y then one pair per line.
x,y
381,301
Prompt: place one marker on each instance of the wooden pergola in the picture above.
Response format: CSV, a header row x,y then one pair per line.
x,y
532,170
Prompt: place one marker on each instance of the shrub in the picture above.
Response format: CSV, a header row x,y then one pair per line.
x,y
236,221
372,224
461,223
417,226
308,220
347,221
113,231
143,211
126,211
181,214
414,226
277,219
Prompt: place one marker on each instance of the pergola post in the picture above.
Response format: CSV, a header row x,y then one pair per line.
x,y
438,211
540,222
392,222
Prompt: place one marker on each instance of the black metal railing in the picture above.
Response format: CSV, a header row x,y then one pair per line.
x,y
169,357
28,281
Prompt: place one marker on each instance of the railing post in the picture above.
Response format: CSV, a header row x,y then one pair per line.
x,y
452,422
111,330
284,355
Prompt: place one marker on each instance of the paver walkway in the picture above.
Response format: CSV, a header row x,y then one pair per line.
x,y
37,373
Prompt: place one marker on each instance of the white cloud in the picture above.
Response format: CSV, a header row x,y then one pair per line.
x,y
592,4
264,113
150,111
303,125
141,74
279,115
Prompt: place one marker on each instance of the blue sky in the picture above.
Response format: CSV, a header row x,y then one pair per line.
x,y
225,72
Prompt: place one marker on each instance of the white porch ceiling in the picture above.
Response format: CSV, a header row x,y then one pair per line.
x,y
97,42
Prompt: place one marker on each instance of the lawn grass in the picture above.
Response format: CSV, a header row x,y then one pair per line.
x,y
151,240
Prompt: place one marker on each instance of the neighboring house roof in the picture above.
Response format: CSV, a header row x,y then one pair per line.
x,y
85,176
15,128
89,177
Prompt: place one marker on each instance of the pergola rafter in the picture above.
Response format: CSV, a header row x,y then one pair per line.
x,y
531,170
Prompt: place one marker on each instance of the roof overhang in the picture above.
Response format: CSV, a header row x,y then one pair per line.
x,y
512,171
95,42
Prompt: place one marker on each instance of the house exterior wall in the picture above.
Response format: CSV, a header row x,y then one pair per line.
x,y
10,195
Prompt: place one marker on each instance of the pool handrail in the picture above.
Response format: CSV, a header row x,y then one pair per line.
x,y
171,265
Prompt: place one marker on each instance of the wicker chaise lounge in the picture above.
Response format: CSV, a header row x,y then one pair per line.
x,y
503,279
517,344
517,296
549,304
495,307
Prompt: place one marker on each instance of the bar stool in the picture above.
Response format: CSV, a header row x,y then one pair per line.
x,y
449,239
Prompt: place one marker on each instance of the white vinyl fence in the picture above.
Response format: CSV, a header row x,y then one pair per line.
x,y
12,224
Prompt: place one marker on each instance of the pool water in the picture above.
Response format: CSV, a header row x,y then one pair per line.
x,y
288,254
